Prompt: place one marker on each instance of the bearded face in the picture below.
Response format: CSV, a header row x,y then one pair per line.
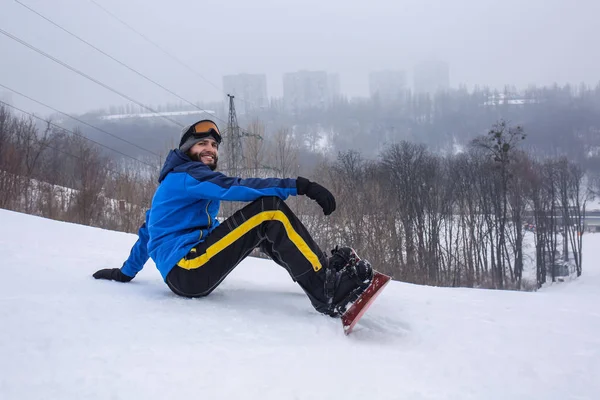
x,y
206,151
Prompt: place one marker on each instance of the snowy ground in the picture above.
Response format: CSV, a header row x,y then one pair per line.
x,y
65,335
593,205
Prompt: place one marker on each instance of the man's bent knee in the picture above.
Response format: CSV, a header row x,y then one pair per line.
x,y
273,203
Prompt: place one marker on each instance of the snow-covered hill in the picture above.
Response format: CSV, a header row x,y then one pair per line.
x,y
65,335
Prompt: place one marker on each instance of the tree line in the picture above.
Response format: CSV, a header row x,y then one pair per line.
x,y
560,120
492,216
478,218
55,174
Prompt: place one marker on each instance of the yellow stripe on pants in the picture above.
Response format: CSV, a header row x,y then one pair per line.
x,y
244,228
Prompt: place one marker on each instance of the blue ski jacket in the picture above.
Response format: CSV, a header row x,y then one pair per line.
x,y
184,209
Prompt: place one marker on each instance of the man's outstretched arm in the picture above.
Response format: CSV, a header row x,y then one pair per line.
x,y
134,264
205,184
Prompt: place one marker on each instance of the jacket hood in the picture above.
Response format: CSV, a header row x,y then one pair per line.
x,y
174,160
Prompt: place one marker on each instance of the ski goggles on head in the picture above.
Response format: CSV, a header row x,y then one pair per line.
x,y
202,129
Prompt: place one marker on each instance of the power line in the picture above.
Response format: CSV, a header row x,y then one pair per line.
x,y
111,57
79,158
62,151
79,135
79,120
177,60
156,45
86,76
47,145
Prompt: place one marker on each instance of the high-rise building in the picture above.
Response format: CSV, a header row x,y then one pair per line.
x,y
250,91
334,86
431,76
309,89
387,85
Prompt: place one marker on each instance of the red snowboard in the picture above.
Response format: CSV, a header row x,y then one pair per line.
x,y
362,304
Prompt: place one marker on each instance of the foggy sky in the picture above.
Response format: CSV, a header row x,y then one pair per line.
x,y
485,42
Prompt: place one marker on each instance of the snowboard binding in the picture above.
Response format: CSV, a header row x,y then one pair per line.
x,y
346,278
351,286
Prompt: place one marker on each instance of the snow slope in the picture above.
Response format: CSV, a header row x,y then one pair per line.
x,y
65,335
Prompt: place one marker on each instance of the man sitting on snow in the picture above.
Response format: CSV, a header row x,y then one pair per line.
x,y
194,252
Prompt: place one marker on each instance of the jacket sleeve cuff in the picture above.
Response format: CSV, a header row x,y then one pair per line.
x,y
126,270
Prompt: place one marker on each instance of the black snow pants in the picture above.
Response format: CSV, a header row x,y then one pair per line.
x,y
266,223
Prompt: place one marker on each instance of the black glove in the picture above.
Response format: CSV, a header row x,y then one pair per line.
x,y
112,274
316,192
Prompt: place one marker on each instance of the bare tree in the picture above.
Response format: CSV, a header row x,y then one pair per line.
x,y
254,149
520,170
572,199
90,173
284,153
500,144
9,159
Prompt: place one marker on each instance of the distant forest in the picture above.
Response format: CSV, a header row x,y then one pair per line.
x,y
559,121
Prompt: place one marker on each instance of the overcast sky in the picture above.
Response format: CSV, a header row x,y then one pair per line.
x,y
485,42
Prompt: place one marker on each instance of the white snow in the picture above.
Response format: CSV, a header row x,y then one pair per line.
x,y
65,335
593,205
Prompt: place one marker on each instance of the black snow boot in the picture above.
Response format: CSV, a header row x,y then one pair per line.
x,y
340,282
352,276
